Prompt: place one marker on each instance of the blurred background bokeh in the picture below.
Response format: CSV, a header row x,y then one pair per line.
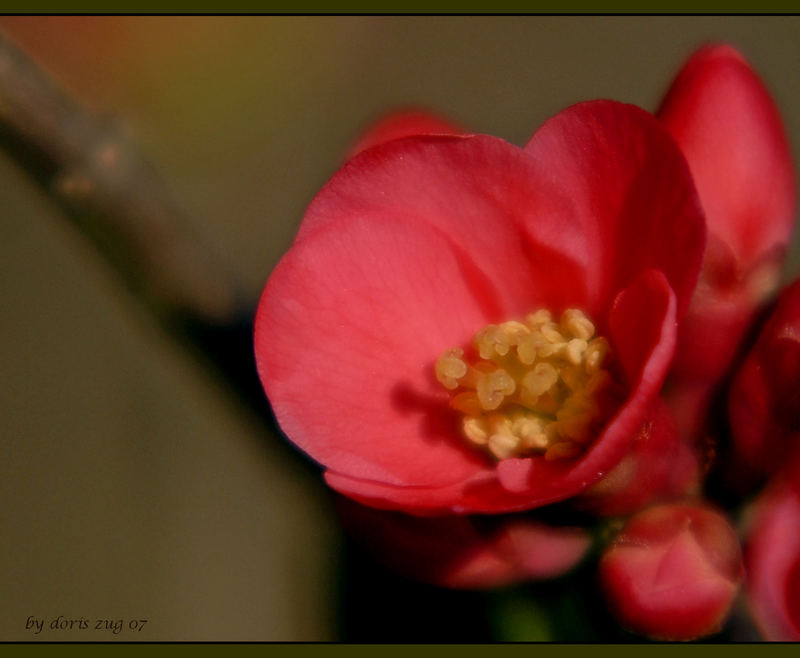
x,y
133,485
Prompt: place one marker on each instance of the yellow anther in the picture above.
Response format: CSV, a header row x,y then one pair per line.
x,y
489,340
577,324
522,423
541,317
550,350
475,430
595,354
540,379
515,330
552,334
498,339
529,346
531,431
533,388
450,368
575,349
493,388
503,446
534,443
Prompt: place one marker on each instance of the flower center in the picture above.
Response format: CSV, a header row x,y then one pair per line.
x,y
532,388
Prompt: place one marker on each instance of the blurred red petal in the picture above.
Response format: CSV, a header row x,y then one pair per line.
x,y
773,559
540,551
764,400
658,466
464,551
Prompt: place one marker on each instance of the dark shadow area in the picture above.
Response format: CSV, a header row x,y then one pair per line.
x,y
376,605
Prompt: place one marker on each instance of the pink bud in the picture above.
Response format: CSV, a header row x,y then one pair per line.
x,y
673,571
765,395
773,559
732,136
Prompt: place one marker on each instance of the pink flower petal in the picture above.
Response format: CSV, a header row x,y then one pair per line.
x,y
657,467
347,332
631,191
480,192
542,551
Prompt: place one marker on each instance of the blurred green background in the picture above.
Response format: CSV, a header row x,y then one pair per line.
x,y
132,485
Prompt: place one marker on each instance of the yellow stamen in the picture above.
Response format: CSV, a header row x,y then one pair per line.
x,y
493,387
475,430
450,368
595,354
532,388
540,379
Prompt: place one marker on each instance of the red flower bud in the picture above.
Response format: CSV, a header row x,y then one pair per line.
x,y
465,551
764,402
673,572
773,559
731,134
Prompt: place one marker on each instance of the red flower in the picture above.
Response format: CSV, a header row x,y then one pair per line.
x,y
730,132
419,243
466,552
673,572
764,402
773,559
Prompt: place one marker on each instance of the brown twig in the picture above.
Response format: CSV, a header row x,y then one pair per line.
x,y
98,177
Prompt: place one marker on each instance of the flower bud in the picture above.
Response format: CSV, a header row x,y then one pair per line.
x,y
732,136
764,402
773,559
673,572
